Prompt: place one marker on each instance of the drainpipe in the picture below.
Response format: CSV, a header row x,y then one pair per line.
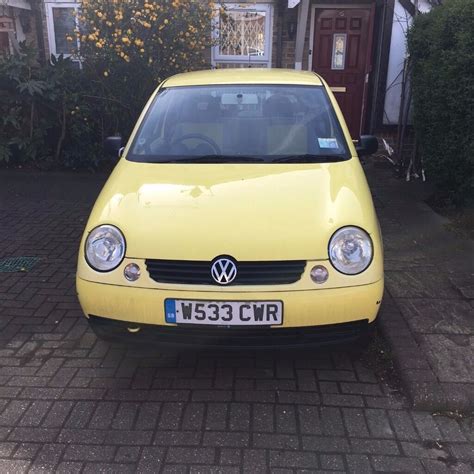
x,y
279,42
376,87
301,33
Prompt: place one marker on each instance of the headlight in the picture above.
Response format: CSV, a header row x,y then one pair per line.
x,y
105,248
350,250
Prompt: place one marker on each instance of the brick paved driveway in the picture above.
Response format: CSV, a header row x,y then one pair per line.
x,y
70,403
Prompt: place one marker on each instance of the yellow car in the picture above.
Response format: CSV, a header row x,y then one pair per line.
x,y
238,215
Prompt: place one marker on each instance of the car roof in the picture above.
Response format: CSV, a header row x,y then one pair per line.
x,y
244,76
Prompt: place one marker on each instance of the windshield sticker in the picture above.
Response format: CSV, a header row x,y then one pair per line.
x,y
328,143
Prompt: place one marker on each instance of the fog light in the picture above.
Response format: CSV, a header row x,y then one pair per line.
x,y
132,272
319,274
133,330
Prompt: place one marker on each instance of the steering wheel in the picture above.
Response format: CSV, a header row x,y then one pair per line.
x,y
198,136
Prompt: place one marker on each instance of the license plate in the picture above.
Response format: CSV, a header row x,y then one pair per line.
x,y
224,313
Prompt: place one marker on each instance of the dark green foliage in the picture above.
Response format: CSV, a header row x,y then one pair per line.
x,y
46,117
441,45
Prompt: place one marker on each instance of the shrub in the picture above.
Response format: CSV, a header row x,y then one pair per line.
x,y
57,115
441,44
129,46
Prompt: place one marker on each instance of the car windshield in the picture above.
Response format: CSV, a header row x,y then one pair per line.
x,y
240,123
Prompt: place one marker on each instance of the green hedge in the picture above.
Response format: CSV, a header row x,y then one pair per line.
x,y
441,45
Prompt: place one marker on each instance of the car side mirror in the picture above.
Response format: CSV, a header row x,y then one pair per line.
x,y
367,145
113,146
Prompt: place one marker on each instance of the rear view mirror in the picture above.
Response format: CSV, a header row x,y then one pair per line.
x,y
113,146
367,145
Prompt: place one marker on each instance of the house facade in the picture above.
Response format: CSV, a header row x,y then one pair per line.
x,y
358,46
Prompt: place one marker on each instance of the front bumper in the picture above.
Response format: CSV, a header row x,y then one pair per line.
x,y
234,338
308,312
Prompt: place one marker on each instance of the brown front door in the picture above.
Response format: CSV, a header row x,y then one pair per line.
x,y
341,54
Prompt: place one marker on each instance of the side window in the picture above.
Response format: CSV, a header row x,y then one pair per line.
x,y
243,35
61,22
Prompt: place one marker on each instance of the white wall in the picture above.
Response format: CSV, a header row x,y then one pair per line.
x,y
398,50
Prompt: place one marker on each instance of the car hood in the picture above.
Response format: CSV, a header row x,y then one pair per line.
x,y
248,211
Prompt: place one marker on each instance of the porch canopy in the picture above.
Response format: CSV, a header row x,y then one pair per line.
x,y
24,4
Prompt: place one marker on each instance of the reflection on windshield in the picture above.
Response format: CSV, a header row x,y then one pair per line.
x,y
240,123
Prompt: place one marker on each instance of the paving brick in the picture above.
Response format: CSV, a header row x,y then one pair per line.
x,y
39,435
263,417
426,426
81,452
306,380
285,419
463,452
334,399
374,446
275,441
309,420
430,449
216,416
354,419
66,467
332,462
13,466
213,470
126,454
255,460
239,419
293,459
379,424
80,415
396,464
26,451
403,425
129,437
193,416
361,388
300,398
441,467
331,420
178,438
357,463
82,436
125,416
103,415
179,469
326,444
449,429
151,460
230,457
112,468
191,455
13,412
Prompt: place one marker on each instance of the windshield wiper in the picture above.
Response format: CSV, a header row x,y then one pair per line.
x,y
309,159
217,159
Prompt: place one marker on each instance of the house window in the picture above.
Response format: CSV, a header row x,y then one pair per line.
x,y
6,29
243,35
62,21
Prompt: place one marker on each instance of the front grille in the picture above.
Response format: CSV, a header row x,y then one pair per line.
x,y
248,273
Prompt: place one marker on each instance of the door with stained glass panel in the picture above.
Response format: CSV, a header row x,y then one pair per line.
x,y
341,54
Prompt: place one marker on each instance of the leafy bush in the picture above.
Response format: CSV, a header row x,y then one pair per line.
x,y
57,115
441,44
129,46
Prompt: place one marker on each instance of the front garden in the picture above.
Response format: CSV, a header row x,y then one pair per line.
x,y
56,115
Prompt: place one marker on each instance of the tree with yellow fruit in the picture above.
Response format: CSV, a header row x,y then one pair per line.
x,y
129,46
